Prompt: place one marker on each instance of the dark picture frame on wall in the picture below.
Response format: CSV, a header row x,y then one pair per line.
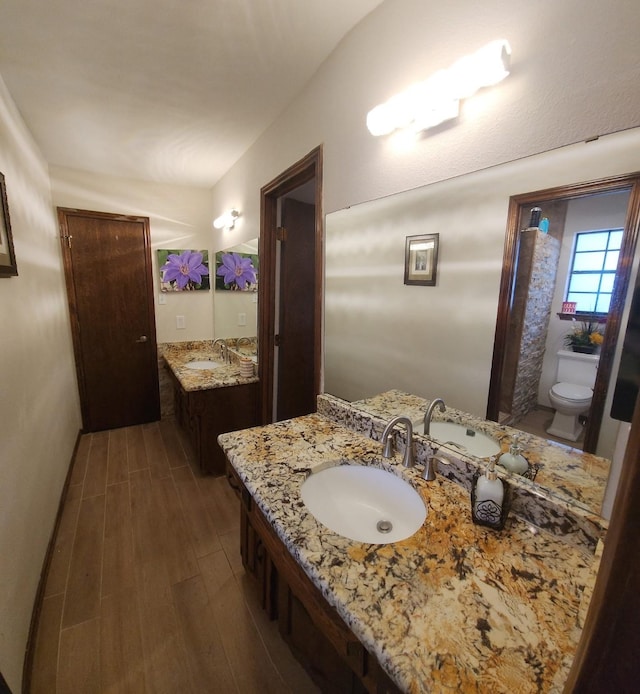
x,y
421,259
8,266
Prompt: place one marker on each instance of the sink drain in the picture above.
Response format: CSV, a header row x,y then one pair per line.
x,y
384,526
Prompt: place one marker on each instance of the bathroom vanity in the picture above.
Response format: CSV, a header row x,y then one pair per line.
x,y
208,402
454,607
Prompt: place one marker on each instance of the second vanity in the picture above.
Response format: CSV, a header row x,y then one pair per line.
x,y
209,401
455,607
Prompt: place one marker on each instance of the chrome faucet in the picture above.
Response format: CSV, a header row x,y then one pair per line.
x,y
251,344
224,349
429,413
387,440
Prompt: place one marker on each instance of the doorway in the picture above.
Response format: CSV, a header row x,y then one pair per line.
x,y
107,264
553,199
290,290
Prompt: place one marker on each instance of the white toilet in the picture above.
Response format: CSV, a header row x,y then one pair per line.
x,y
571,395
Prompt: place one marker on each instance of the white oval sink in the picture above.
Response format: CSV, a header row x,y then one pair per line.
x,y
364,503
203,364
464,439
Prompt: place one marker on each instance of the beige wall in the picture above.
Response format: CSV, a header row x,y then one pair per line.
x,y
574,76
39,407
179,218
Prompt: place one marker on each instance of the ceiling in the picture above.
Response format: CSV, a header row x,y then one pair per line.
x,y
173,91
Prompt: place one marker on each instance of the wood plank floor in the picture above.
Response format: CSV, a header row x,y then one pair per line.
x,y
146,590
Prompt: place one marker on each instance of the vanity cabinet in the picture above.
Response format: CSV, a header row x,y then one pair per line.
x,y
204,414
316,635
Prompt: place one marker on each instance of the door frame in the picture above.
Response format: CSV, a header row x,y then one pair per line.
x,y
303,171
607,654
66,243
611,184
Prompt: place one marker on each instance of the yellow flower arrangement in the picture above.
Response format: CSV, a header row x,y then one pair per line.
x,y
583,337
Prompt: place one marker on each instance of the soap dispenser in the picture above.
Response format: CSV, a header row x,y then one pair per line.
x,y
487,498
514,461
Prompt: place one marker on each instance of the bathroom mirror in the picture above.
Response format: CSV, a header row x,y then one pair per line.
x,y
438,341
236,311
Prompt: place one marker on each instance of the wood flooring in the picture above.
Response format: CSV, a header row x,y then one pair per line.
x,y
145,590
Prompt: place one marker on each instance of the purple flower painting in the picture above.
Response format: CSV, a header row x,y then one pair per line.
x,y
237,271
183,270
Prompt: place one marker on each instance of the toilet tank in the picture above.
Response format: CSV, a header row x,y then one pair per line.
x,y
580,369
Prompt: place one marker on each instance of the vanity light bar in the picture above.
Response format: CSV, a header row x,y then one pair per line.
x,y
226,220
427,104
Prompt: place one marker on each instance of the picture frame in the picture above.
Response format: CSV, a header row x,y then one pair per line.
x,y
8,265
183,270
421,259
245,276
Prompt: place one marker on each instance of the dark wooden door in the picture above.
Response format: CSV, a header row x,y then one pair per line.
x,y
296,330
110,288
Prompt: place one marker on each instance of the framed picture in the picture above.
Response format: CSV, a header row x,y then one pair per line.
x,y
421,259
183,270
236,271
8,267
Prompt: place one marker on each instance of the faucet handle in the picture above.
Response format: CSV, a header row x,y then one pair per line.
x,y
429,473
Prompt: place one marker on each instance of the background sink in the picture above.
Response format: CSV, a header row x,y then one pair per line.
x,y
359,502
464,439
203,364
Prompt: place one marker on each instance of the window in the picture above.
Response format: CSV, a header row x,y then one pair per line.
x,y
593,270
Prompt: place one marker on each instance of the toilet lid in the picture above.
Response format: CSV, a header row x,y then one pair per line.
x,y
571,391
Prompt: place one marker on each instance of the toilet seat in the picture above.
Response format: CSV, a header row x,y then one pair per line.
x,y
572,392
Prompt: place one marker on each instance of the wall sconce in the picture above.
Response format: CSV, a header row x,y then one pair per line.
x,y
437,99
226,220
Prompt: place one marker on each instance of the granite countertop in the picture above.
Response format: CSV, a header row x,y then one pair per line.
x,y
456,607
178,354
581,477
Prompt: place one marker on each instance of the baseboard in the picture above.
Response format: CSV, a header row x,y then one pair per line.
x,y
37,605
